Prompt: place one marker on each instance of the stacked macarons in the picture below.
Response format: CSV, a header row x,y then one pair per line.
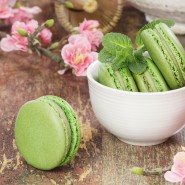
x,y
165,64
47,132
167,53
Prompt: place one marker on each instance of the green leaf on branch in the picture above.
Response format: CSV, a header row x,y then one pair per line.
x,y
151,25
114,42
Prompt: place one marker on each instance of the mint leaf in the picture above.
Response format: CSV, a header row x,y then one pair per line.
x,y
122,58
139,65
105,57
114,42
151,25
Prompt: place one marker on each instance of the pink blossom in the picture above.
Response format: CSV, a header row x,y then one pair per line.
x,y
23,14
30,27
78,55
46,36
5,8
11,43
16,41
75,38
88,25
89,28
177,173
94,37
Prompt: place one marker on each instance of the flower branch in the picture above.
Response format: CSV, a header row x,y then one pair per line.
x,y
77,49
146,172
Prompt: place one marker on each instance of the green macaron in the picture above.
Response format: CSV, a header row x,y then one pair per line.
x,y
167,53
47,132
151,80
121,79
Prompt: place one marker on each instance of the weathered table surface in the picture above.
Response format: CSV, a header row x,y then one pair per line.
x,y
102,159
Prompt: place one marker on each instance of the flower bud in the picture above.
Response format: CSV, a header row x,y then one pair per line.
x,y
22,32
69,4
49,23
137,171
54,45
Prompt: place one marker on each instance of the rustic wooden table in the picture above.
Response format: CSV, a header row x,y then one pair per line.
x,y
102,159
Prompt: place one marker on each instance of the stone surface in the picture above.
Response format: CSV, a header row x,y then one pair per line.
x,y
102,159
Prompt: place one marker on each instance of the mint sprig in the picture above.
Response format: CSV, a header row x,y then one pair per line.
x,y
119,52
151,25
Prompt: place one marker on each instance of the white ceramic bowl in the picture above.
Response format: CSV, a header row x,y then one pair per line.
x,y
137,118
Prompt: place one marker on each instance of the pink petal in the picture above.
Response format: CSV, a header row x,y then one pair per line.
x,y
172,177
18,25
179,159
88,25
32,10
11,2
7,44
62,71
95,55
75,38
178,170
7,13
46,36
32,26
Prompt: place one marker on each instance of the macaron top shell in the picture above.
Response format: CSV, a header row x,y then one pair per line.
x,y
40,135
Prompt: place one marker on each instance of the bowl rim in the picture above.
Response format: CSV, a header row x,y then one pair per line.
x,y
121,92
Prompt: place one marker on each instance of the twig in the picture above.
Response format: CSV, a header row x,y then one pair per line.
x,y
51,55
157,171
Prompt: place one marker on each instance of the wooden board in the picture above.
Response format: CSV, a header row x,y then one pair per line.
x,y
102,159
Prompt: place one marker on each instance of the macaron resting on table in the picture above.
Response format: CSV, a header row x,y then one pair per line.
x,y
47,132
